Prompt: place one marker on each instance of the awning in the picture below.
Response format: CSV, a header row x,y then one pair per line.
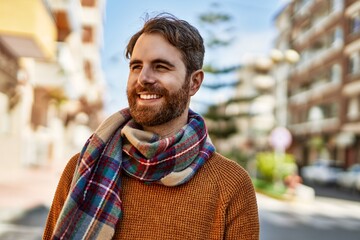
x,y
27,28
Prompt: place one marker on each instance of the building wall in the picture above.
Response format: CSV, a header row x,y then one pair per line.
x,y
53,96
320,88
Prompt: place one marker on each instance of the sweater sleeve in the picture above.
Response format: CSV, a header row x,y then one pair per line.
x,y
61,193
242,220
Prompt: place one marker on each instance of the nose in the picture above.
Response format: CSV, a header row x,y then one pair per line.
x,y
146,76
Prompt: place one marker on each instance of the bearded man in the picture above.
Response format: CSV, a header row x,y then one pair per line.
x,y
150,171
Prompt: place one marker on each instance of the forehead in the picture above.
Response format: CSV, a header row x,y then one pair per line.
x,y
153,46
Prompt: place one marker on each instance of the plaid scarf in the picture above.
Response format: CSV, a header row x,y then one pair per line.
x,y
93,206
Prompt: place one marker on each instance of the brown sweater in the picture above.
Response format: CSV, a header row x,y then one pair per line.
x,y
219,202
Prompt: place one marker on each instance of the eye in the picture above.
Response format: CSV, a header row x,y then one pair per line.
x,y
161,67
135,67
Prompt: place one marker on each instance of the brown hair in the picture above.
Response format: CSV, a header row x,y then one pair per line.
x,y
179,33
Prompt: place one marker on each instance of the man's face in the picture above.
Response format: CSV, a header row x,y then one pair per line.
x,y
157,88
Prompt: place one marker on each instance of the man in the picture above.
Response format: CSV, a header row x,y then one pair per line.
x,y
150,171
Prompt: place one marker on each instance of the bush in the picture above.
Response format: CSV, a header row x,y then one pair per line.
x,y
272,167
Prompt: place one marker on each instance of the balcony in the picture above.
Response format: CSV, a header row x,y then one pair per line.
x,y
352,127
67,15
318,126
27,28
318,26
351,89
316,58
315,93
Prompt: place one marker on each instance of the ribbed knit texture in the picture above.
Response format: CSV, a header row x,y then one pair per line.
x,y
218,203
94,207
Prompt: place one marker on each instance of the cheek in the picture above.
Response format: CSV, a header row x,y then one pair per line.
x,y
131,82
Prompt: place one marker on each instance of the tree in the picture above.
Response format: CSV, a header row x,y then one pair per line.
x,y
217,26
220,34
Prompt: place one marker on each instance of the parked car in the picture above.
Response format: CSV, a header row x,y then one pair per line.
x,y
357,184
348,178
322,171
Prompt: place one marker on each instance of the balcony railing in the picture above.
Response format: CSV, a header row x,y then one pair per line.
x,y
314,93
318,126
317,58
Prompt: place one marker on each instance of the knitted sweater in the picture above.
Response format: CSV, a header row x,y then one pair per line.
x,y
219,202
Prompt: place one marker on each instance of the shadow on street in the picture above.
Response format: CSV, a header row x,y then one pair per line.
x,y
27,226
333,191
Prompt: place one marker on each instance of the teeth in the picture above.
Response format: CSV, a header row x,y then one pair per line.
x,y
149,96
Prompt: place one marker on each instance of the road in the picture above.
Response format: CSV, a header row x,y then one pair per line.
x,y
26,226
324,218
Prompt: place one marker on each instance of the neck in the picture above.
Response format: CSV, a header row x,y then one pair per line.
x,y
169,128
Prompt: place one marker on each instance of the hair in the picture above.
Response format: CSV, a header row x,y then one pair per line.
x,y
179,33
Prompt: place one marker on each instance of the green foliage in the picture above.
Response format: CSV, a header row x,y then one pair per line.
x,y
214,17
211,69
269,189
273,166
238,156
317,143
215,41
220,29
222,132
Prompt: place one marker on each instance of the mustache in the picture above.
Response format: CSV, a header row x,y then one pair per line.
x,y
152,89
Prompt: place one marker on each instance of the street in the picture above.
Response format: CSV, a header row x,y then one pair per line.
x,y
26,226
324,218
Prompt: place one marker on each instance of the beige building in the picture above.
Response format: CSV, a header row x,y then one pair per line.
x,y
51,82
322,92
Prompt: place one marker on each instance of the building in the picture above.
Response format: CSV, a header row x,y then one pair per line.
x,y
50,71
322,91
239,127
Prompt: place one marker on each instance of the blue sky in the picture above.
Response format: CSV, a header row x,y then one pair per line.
x,y
253,28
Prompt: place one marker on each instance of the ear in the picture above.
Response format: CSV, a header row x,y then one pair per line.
x,y
195,81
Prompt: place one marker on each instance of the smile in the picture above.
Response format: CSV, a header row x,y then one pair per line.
x,y
149,96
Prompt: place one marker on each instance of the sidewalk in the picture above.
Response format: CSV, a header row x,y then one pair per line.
x,y
319,206
27,188
32,188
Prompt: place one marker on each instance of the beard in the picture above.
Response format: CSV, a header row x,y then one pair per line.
x,y
172,107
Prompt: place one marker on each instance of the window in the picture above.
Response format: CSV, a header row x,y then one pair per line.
x,y
355,23
336,73
87,34
337,5
354,63
337,37
330,110
88,3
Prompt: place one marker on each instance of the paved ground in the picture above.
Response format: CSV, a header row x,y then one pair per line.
x,y
27,194
322,219
336,192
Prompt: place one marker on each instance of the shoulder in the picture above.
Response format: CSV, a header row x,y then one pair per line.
x,y
223,167
71,165
228,175
68,172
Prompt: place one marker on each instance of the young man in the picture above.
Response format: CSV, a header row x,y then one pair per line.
x,y
150,171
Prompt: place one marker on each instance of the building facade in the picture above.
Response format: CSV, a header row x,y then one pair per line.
x,y
50,77
322,87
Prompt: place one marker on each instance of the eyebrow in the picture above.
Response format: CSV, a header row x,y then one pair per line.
x,y
158,60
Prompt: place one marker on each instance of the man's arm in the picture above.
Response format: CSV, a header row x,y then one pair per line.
x,y
242,220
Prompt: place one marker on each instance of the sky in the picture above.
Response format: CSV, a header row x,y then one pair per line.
x,y
253,31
